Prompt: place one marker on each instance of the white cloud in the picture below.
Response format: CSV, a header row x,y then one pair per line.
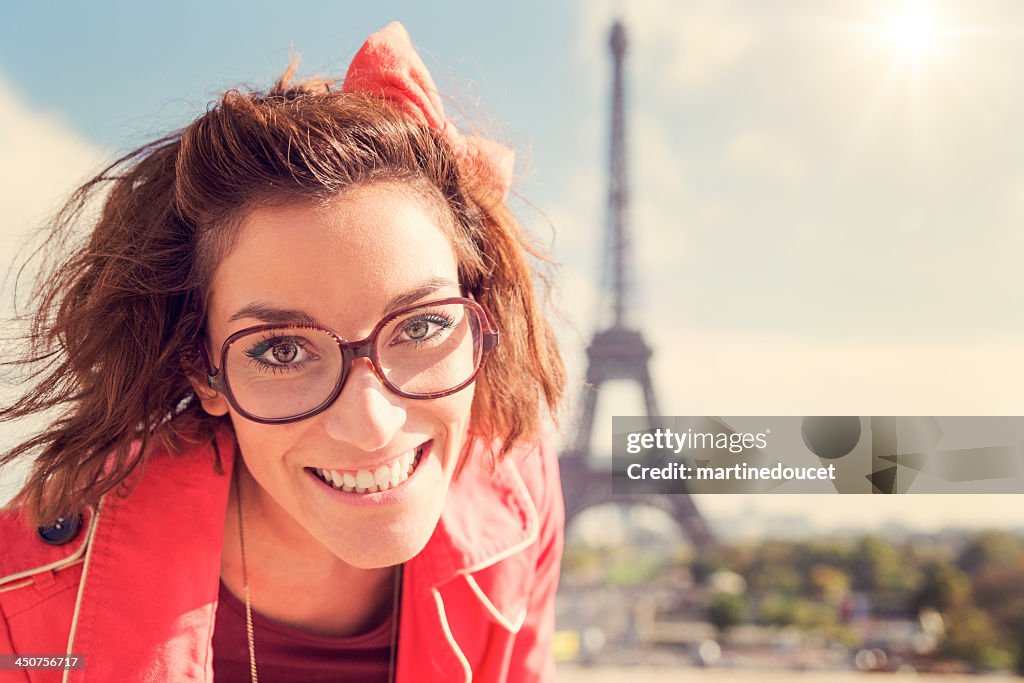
x,y
43,160
767,156
653,161
680,48
706,43
662,201
1013,197
703,373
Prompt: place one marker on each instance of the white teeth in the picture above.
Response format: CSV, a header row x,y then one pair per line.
x,y
381,479
383,476
364,479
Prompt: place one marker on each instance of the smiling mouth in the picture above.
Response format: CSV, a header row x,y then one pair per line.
x,y
384,477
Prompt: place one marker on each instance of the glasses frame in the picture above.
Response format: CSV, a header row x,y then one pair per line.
x,y
350,351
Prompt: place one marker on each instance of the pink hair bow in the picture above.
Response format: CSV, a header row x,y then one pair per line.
x,y
387,66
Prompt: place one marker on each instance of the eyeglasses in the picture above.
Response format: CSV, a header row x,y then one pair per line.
x,y
276,373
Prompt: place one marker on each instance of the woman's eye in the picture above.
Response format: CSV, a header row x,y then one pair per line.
x,y
423,329
280,353
285,353
417,329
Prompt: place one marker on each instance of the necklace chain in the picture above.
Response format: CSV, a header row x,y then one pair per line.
x,y
248,603
245,582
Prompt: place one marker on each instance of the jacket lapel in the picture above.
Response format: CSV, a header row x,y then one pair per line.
x,y
476,552
155,555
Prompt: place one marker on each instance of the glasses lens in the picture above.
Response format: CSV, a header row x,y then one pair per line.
x,y
431,349
283,372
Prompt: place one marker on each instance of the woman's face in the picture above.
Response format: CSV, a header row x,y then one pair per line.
x,y
372,250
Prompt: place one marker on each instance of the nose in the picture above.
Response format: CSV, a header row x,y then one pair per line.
x,y
366,414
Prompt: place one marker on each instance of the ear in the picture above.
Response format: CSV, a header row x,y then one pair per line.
x,y
195,364
213,402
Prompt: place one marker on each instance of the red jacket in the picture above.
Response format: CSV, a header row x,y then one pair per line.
x,y
477,603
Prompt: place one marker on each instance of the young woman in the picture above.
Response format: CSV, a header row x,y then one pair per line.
x,y
302,377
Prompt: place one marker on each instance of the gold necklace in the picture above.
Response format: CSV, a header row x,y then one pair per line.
x,y
248,604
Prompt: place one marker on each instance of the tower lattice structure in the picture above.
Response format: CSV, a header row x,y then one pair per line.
x,y
619,351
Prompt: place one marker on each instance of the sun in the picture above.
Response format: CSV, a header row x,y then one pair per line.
x,y
913,31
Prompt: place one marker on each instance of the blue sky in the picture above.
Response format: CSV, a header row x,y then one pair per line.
x,y
827,195
122,71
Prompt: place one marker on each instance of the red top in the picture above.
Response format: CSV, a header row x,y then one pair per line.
x,y
286,654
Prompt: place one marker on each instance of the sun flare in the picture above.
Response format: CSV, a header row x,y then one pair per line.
x,y
913,30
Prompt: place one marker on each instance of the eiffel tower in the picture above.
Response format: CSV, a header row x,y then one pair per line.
x,y
618,352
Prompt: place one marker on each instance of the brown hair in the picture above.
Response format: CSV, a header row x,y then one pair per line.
x,y
114,324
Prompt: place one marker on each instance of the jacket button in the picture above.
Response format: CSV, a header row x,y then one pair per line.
x,y
62,531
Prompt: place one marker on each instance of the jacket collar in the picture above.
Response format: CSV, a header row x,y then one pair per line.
x,y
154,554
488,517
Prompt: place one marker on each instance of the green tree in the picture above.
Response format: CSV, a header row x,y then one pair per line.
x,y
990,548
881,569
777,609
999,590
725,610
704,566
944,588
829,583
974,637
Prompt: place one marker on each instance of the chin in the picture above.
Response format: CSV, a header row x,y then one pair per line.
x,y
386,546
370,538
383,557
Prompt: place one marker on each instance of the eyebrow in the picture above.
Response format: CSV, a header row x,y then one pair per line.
x,y
274,315
416,293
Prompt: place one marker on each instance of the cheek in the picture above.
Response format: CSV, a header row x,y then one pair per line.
x,y
456,410
448,417
263,446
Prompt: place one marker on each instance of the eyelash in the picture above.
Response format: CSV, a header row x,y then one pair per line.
x,y
446,322
269,343
255,352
